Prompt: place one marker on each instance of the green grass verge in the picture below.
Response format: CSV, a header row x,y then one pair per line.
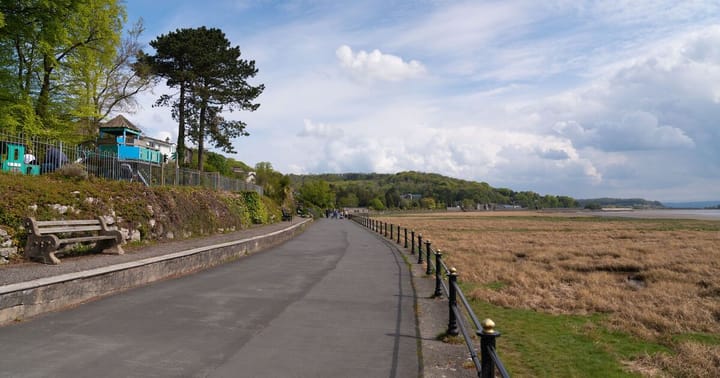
x,y
544,345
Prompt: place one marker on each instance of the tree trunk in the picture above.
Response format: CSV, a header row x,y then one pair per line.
x,y
44,97
201,136
180,151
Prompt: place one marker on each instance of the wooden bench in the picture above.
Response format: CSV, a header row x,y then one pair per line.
x,y
286,215
45,238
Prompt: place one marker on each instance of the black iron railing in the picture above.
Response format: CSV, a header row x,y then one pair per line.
x,y
107,165
459,310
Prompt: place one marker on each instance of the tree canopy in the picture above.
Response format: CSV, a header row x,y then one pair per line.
x,y
53,55
211,79
425,190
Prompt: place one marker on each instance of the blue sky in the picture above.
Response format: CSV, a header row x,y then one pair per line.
x,y
581,98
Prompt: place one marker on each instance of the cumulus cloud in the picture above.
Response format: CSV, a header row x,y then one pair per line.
x,y
319,130
376,65
617,99
482,154
636,130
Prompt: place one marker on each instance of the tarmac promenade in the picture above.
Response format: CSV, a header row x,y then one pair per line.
x,y
335,301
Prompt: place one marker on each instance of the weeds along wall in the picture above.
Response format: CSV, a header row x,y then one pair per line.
x,y
144,213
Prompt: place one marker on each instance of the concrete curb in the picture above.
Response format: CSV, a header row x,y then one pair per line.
x,y
26,299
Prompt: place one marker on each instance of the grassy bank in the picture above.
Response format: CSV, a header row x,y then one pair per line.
x,y
153,213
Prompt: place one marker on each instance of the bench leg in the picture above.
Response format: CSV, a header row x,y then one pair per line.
x,y
42,248
110,247
49,258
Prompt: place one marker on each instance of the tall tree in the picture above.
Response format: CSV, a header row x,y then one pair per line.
x,y
211,79
107,84
172,62
42,43
220,85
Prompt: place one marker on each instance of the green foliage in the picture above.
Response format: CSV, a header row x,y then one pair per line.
x,y
218,163
185,211
275,184
50,51
211,79
377,204
620,202
394,191
317,193
256,208
349,200
427,203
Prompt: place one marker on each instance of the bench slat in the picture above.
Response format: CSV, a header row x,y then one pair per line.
x,y
67,222
86,239
60,229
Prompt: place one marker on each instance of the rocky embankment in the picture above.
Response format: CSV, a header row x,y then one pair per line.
x,y
142,214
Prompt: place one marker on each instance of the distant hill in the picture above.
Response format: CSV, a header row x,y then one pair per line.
x,y
428,190
621,202
693,205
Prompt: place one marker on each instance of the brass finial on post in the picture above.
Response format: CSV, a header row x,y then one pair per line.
x,y
487,345
488,326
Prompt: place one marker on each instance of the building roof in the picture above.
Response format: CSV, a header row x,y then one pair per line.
x,y
120,121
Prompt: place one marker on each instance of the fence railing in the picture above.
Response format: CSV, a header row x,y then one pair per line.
x,y
446,283
50,155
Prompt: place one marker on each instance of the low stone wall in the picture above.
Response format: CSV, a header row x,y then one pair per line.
x,y
26,299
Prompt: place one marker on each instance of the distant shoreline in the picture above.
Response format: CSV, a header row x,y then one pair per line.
x,y
700,214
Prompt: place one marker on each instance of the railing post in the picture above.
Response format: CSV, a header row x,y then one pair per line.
x,y
487,343
420,251
405,237
385,228
412,249
398,234
392,227
428,270
438,274
452,329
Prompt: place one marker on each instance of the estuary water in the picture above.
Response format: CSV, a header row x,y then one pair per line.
x,y
704,214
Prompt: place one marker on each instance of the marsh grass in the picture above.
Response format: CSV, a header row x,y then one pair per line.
x,y
624,286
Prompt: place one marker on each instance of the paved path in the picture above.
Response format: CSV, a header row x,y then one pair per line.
x,y
334,302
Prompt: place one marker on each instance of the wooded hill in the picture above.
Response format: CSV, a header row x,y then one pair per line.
x,y
423,190
619,202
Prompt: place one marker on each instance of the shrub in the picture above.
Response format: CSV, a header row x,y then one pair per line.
x,y
76,171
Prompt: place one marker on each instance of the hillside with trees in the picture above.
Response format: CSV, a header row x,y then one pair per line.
x,y
408,190
636,203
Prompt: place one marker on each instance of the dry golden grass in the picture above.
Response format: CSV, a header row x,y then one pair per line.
x,y
655,278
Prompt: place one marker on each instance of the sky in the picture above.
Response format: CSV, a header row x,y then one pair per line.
x,y
566,97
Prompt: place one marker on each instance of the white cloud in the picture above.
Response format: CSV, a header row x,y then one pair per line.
x,y
582,98
319,130
376,65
